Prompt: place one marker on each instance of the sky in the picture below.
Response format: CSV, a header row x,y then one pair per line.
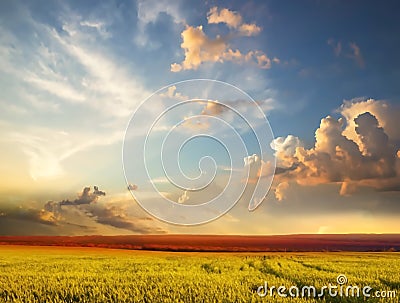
x,y
292,129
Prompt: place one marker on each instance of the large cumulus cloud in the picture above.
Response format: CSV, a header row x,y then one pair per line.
x,y
361,148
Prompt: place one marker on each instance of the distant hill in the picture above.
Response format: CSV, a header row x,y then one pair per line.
x,y
220,243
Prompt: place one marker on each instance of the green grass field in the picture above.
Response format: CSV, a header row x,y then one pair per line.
x,y
54,274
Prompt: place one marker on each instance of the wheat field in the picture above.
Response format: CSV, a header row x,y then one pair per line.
x,y
55,274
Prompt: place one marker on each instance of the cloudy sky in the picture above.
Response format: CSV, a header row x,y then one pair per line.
x,y
324,73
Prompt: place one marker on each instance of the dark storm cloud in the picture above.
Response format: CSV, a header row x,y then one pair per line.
x,y
86,197
30,214
111,214
115,215
61,217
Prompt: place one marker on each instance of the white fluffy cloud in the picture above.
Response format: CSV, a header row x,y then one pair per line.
x,y
249,160
258,168
285,148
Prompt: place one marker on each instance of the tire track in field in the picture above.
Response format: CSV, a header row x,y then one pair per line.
x,y
316,267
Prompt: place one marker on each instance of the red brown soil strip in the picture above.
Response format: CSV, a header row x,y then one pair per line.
x,y
219,243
